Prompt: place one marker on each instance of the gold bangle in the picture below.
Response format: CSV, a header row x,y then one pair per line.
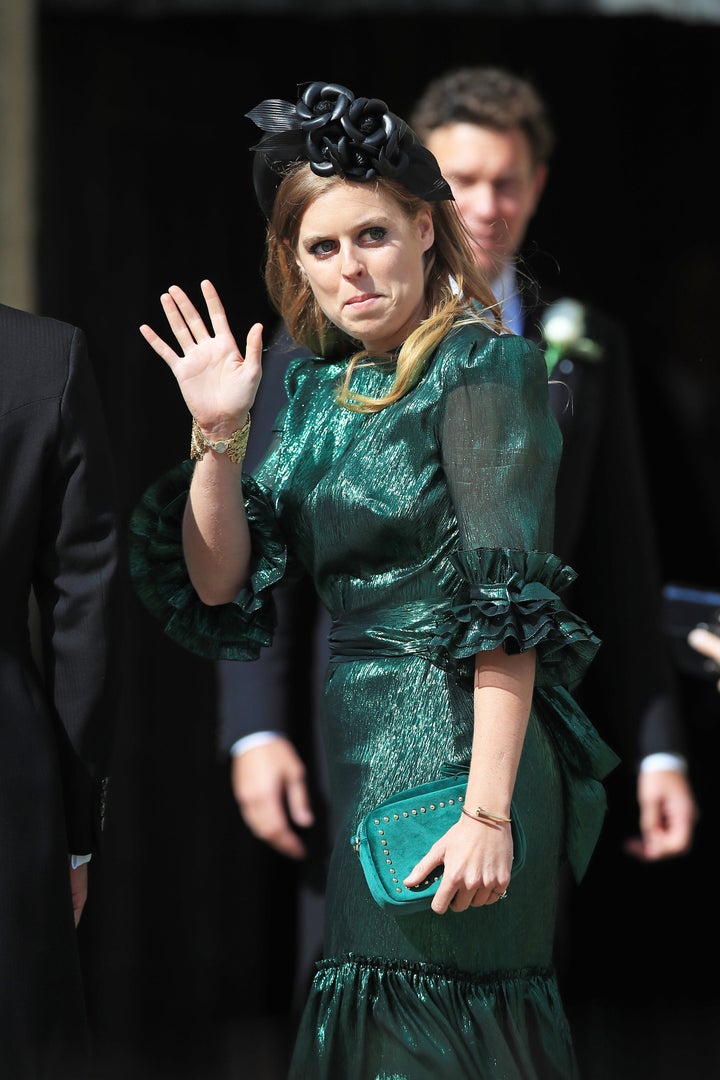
x,y
483,815
234,447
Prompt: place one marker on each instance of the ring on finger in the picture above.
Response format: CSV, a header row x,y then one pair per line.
x,y
500,895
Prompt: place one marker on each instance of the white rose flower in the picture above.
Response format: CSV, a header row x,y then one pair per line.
x,y
563,327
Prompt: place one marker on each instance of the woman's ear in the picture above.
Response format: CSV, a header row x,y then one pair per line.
x,y
426,229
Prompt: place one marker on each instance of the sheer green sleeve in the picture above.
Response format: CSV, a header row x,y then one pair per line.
x,y
500,448
234,631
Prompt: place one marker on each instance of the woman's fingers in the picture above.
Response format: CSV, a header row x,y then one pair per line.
x,y
419,872
468,884
185,322
216,311
216,381
467,898
160,347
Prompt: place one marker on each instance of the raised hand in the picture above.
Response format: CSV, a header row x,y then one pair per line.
x,y
218,383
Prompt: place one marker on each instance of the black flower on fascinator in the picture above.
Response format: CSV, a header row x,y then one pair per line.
x,y
343,135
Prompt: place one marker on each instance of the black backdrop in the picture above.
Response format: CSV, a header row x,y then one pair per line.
x,y
144,181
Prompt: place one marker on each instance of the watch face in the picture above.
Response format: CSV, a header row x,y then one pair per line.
x,y
220,447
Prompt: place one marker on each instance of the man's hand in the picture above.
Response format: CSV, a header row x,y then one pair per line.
x,y
79,889
668,815
707,643
269,785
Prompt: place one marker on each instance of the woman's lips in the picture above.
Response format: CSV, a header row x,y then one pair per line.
x,y
361,298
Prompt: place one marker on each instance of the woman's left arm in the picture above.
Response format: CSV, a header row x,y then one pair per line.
x,y
477,852
499,449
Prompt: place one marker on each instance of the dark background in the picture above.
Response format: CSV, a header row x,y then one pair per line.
x,y
145,181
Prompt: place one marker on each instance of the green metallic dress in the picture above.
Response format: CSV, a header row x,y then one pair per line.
x,y
427,528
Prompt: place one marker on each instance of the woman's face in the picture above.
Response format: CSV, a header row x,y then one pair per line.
x,y
364,261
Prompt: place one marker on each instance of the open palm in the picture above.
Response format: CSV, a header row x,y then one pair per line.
x,y
218,383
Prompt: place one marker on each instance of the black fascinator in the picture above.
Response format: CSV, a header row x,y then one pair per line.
x,y
343,135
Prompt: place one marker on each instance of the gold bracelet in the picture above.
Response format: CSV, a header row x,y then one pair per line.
x,y
483,815
234,447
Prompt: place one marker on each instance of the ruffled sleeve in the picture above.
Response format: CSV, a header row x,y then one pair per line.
x,y
234,631
500,448
511,599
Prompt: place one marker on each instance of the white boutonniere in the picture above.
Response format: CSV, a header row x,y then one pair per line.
x,y
563,327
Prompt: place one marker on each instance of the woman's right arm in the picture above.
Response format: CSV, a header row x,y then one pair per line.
x,y
219,385
216,538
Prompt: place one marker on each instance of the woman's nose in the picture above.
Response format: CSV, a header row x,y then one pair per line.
x,y
352,265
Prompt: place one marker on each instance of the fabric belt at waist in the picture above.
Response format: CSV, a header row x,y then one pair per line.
x,y
406,630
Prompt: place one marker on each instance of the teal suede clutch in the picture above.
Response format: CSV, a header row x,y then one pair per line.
x,y
393,837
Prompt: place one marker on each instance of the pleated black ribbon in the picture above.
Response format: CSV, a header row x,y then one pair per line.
x,y
340,134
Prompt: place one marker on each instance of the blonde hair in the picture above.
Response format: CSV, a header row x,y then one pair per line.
x,y
454,285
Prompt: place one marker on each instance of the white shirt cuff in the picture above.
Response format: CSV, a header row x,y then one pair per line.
x,y
256,739
660,762
79,860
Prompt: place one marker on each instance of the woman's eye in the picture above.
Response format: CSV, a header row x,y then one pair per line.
x,y
323,247
375,233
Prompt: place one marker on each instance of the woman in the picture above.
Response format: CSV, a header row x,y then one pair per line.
x,y
413,477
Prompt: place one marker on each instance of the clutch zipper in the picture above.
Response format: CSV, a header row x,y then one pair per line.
x,y
356,840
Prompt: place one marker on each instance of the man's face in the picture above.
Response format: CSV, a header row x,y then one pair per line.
x,y
495,183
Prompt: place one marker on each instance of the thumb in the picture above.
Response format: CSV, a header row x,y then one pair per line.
x,y
298,801
253,344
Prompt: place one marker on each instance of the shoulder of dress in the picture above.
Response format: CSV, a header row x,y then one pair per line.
x,y
304,367
477,346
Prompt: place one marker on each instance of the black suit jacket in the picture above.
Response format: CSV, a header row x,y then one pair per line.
x,y
58,538
605,530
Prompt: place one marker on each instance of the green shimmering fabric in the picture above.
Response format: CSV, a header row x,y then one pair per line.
x,y
427,528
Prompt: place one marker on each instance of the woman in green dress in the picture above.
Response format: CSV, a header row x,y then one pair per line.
x,y
412,475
